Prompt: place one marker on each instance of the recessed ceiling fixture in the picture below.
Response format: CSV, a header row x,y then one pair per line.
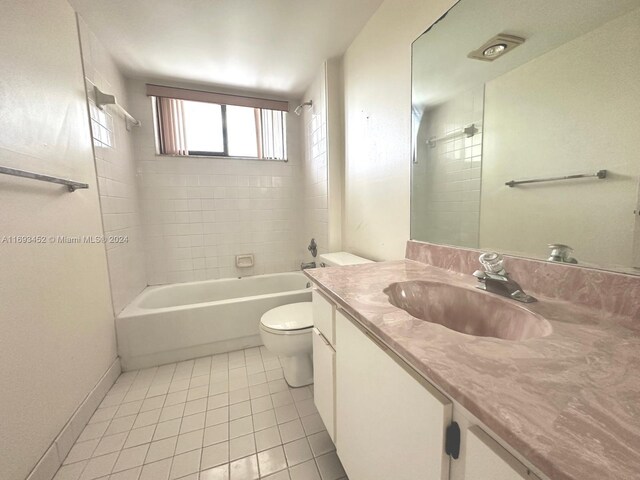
x,y
496,47
495,50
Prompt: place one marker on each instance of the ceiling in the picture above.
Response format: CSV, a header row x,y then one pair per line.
x,y
441,68
274,46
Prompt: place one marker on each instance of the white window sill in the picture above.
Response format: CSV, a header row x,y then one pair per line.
x,y
219,157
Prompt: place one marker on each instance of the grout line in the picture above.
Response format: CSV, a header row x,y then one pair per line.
x,y
148,379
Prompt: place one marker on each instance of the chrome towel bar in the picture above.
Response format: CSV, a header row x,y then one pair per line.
x,y
468,131
70,184
601,174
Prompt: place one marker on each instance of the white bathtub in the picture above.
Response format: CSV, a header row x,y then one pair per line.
x,y
170,323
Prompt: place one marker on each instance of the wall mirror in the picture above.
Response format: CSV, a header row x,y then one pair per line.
x,y
526,130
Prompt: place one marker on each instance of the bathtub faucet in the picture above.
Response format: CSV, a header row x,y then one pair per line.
x,y
304,266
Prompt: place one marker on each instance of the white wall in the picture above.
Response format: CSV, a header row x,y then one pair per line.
x,y
199,213
572,110
116,168
377,72
56,318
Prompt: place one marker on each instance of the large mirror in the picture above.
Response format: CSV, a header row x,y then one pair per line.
x,y
526,130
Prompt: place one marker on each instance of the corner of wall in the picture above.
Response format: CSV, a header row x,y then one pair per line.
x,y
336,149
377,79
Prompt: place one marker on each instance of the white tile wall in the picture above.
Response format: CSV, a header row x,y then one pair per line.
x,y
116,169
187,218
446,179
315,171
200,212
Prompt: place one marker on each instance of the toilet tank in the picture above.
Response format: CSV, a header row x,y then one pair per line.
x,y
341,258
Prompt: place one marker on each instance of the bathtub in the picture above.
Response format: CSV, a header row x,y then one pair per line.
x,y
170,323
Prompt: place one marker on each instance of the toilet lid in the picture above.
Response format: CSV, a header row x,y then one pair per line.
x,y
294,316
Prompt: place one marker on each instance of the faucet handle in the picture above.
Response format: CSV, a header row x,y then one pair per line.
x,y
483,276
480,275
492,262
313,247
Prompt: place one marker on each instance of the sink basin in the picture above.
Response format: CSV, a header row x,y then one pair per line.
x,y
465,310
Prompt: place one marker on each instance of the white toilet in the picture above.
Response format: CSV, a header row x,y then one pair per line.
x,y
286,330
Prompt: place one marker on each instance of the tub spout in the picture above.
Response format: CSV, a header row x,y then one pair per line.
x,y
304,266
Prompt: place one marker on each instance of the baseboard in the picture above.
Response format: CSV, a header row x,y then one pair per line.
x,y
48,465
188,353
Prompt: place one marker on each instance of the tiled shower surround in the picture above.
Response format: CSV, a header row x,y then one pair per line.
x,y
186,218
446,178
200,212
116,170
315,171
226,417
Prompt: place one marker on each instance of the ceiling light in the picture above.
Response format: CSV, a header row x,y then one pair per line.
x,y
495,50
496,47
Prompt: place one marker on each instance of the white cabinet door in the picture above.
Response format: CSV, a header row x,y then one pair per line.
x,y
324,316
324,367
391,425
485,459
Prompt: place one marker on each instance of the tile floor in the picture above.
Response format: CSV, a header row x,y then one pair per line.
x,y
226,417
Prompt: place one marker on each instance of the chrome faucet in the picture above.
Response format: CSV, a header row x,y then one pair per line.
x,y
496,280
313,248
304,266
561,253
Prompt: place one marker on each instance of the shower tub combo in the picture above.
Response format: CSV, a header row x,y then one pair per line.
x,y
170,323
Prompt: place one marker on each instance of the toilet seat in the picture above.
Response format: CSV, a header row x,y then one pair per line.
x,y
285,332
292,319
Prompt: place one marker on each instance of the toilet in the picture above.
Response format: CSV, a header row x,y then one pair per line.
x,y
286,330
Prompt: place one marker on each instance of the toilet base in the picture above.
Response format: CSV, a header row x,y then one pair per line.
x,y
297,370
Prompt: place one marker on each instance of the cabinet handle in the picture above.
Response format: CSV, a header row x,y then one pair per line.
x,y
452,441
317,332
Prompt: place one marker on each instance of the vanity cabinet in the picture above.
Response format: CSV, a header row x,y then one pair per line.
x,y
391,424
324,314
324,360
324,373
482,457
386,420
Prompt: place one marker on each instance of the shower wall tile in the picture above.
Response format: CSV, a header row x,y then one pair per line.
x,y
200,212
446,178
116,170
315,166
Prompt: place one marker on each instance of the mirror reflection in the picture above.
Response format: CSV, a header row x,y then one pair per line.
x,y
526,120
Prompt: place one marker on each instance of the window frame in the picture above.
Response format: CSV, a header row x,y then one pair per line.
x,y
225,139
225,153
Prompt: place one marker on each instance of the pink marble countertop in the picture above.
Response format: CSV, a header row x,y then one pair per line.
x,y
568,402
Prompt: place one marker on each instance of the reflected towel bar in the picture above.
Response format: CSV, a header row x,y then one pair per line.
x,y
103,99
71,185
601,174
469,131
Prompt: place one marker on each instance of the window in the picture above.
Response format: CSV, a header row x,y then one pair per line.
x,y
203,123
204,128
